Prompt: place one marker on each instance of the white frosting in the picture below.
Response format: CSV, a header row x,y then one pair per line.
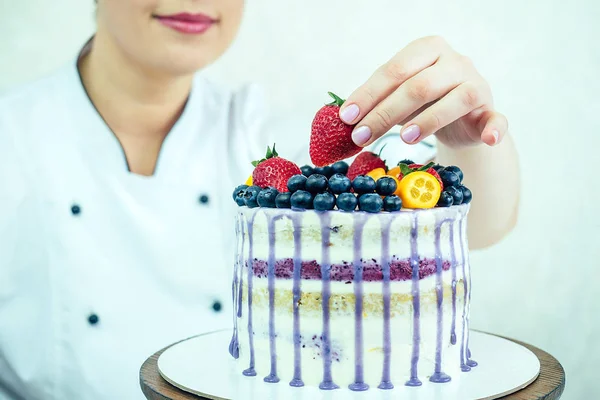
x,y
342,246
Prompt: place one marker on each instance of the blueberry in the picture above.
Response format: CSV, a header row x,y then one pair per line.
x,y
339,183
266,197
326,171
296,182
467,195
386,186
340,167
238,190
307,170
456,194
301,200
446,200
347,202
251,195
316,183
364,184
324,201
370,202
456,170
437,167
241,199
283,200
392,203
406,161
449,178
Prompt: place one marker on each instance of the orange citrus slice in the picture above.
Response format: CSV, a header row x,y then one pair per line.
x,y
394,172
419,190
249,181
376,173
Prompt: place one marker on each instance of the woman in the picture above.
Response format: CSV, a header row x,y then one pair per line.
x,y
116,173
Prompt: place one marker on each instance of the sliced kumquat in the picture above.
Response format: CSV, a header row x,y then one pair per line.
x,y
394,172
249,181
376,173
419,190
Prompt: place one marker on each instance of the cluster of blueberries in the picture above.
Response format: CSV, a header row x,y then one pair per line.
x,y
323,189
455,193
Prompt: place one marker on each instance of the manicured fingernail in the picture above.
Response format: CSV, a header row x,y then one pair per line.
x,y
349,113
496,135
411,133
361,135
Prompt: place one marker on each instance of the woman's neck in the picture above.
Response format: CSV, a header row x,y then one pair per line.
x,y
139,104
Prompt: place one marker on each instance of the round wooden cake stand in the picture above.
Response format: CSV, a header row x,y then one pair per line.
x,y
549,385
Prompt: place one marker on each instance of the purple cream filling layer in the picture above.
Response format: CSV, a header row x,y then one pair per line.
x,y
400,269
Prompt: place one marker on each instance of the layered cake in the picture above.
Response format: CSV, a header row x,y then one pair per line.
x,y
352,276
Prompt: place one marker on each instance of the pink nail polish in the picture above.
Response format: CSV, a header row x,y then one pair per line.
x,y
410,134
361,135
496,136
349,113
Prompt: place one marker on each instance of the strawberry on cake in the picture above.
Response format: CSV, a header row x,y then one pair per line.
x,y
351,275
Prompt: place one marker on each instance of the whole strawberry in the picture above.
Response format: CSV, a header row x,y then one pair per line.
x,y
273,171
331,138
365,163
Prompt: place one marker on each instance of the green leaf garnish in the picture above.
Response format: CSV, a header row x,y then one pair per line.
x,y
270,154
405,169
426,167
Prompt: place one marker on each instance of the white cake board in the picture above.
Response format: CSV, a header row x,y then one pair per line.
x,y
203,366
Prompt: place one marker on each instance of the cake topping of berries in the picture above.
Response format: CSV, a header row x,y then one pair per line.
x,y
331,138
365,163
273,171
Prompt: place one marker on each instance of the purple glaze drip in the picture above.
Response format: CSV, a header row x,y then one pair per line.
x,y
241,272
359,382
297,224
438,376
463,356
470,363
416,303
272,377
250,223
453,258
386,383
327,383
234,345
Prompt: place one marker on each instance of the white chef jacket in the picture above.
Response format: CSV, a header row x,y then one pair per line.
x,y
99,267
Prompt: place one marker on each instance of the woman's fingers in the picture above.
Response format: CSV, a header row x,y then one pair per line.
x,y
495,127
411,60
465,98
426,87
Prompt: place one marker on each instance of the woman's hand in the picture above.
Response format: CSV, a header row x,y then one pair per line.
x,y
429,89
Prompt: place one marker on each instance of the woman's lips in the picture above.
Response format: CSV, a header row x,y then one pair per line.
x,y
187,23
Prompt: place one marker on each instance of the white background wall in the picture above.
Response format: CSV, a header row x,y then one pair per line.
x,y
541,58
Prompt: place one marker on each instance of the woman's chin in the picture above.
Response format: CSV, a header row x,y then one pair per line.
x,y
186,63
